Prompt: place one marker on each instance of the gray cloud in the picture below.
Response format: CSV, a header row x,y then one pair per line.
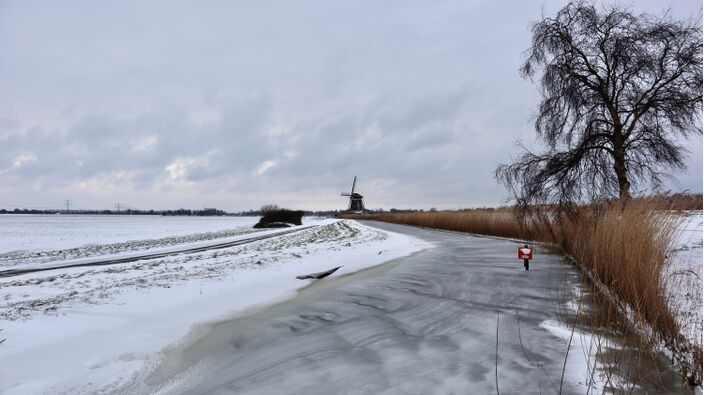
x,y
237,104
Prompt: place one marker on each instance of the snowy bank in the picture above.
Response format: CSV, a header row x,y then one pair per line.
x,y
86,330
682,276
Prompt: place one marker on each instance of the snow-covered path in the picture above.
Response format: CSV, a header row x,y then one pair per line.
x,y
423,324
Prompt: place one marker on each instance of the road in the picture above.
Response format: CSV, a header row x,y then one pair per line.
x,y
423,324
105,261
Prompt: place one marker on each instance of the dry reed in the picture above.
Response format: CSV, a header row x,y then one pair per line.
x,y
675,202
499,224
625,248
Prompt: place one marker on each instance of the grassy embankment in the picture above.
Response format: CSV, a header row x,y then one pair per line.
x,y
622,248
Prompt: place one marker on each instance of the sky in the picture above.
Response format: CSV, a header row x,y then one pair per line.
x,y
236,104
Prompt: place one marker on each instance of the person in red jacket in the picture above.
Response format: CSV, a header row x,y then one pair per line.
x,y
526,253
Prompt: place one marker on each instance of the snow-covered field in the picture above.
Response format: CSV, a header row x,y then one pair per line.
x,y
87,330
683,276
35,233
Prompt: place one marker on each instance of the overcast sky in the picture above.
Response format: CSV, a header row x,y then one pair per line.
x,y
233,104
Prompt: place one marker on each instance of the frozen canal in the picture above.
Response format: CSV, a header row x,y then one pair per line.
x,y
422,324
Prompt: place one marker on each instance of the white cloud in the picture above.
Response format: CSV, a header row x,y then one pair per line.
x,y
22,160
265,166
177,169
18,162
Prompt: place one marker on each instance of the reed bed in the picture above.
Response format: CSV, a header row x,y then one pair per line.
x,y
674,202
483,222
626,249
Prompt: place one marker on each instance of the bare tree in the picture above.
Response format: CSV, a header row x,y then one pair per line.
x,y
617,91
269,208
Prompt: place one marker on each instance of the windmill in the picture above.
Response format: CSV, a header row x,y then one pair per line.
x,y
356,200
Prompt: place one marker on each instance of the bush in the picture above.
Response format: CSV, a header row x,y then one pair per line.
x,y
267,208
275,217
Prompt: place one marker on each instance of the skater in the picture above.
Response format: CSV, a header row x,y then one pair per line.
x,y
525,253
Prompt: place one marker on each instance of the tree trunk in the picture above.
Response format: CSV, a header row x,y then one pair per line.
x,y
624,187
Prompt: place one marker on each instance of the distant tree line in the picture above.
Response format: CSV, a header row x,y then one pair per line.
x,y
179,212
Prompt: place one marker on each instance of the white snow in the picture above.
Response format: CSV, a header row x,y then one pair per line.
x,y
86,330
131,250
583,368
55,232
683,276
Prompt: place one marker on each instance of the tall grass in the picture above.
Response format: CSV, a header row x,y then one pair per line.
x,y
676,202
484,222
626,248
622,247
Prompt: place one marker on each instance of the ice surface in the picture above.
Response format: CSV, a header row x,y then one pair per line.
x,y
425,324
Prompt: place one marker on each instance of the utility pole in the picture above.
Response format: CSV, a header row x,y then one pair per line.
x,y
67,202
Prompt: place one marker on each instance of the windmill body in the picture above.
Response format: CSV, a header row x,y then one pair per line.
x,y
356,200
